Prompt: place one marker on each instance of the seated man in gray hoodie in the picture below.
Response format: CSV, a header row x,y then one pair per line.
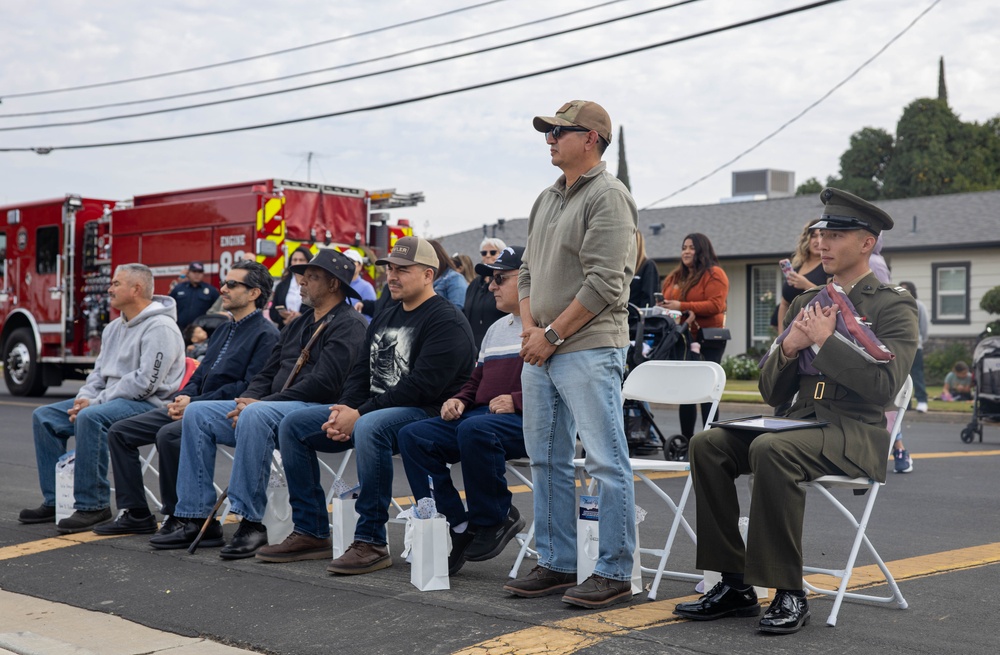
x,y
140,366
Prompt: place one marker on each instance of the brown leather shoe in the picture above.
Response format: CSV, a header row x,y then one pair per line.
x,y
540,581
597,591
295,548
361,557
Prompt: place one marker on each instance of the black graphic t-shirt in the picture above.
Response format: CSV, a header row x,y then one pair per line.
x,y
419,358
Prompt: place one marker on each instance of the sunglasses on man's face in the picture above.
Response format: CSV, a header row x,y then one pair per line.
x,y
232,284
491,253
500,277
559,130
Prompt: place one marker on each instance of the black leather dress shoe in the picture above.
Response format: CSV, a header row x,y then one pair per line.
x,y
177,533
127,523
721,600
249,538
786,614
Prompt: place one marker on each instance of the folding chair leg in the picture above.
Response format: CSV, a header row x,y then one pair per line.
x,y
678,510
525,539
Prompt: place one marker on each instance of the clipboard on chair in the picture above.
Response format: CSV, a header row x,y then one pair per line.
x,y
761,423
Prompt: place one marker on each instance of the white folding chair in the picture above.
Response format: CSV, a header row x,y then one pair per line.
x,y
859,486
147,465
514,467
675,383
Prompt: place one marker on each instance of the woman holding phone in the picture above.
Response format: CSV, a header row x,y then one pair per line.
x,y
805,271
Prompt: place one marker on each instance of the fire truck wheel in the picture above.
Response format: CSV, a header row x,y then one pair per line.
x,y
21,368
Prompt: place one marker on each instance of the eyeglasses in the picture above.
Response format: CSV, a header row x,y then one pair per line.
x,y
558,131
500,277
232,284
483,253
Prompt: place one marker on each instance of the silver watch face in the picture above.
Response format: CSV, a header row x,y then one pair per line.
x,y
551,336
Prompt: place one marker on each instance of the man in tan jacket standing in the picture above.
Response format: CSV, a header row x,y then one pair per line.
x,y
573,289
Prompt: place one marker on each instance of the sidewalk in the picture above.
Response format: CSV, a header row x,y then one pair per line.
x,y
31,626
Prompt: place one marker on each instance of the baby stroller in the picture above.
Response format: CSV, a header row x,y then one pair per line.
x,y
654,336
986,393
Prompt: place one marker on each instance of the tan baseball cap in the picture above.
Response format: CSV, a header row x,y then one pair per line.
x,y
578,113
409,251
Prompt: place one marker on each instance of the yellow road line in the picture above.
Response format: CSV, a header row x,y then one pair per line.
x,y
43,545
571,635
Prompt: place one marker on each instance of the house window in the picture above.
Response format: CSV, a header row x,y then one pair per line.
x,y
765,292
951,292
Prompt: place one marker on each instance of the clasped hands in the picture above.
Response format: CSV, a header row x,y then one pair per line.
x,y
340,425
813,325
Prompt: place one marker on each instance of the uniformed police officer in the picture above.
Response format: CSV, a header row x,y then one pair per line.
x,y
851,393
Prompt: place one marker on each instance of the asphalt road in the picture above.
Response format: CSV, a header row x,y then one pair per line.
x,y
938,528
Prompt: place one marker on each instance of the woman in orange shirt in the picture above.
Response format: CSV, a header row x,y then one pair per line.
x,y
698,285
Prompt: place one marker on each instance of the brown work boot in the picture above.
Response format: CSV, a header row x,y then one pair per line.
x,y
597,591
540,581
295,548
361,557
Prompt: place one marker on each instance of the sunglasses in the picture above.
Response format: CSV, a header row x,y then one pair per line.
x,y
232,284
483,253
559,130
500,277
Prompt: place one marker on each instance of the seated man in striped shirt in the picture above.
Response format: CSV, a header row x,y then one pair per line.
x,y
481,428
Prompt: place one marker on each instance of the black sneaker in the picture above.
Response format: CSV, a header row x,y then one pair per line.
x,y
249,538
460,542
489,542
126,523
81,521
41,514
182,533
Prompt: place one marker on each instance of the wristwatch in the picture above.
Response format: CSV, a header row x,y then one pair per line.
x,y
553,337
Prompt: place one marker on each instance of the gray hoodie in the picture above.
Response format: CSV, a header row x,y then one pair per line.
x,y
141,359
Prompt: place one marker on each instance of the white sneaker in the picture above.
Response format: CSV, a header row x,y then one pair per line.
x,y
922,408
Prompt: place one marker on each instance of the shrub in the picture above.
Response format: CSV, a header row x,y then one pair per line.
x,y
740,368
938,363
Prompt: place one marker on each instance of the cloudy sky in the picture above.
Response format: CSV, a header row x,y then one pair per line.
x,y
686,108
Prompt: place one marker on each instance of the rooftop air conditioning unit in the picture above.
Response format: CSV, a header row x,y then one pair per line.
x,y
768,183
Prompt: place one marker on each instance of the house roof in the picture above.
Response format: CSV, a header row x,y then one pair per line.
x,y
769,228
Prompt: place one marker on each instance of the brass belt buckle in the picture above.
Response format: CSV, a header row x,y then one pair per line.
x,y
818,391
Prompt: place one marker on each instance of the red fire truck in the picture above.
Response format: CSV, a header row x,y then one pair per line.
x,y
59,256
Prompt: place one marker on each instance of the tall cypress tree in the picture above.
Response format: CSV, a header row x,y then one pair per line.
x,y
622,164
942,89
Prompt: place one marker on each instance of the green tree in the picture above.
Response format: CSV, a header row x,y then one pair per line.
x,y
622,163
942,88
924,162
810,187
863,165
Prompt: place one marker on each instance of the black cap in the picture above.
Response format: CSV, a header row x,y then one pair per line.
x,y
509,259
336,264
196,267
846,211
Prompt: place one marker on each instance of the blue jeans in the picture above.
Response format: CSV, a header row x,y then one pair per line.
x,y
52,428
204,426
482,442
579,393
917,375
300,437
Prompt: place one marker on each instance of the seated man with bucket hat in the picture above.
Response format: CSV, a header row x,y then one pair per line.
x,y
307,367
837,383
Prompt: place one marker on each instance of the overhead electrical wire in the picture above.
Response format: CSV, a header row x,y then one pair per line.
x,y
241,60
438,94
801,113
351,78
327,69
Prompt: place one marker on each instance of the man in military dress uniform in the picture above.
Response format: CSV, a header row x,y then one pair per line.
x,y
850,391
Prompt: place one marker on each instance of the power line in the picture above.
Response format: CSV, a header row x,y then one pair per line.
x,y
801,113
395,103
241,60
352,78
327,69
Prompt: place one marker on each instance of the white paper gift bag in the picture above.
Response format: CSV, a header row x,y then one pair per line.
x,y
429,554
343,521
278,512
588,543
64,486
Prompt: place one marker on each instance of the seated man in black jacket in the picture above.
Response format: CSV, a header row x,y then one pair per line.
x,y
236,352
291,379
419,354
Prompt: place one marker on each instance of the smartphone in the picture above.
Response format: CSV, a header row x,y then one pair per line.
x,y
786,267
279,308
657,298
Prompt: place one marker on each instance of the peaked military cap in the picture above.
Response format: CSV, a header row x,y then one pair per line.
x,y
846,211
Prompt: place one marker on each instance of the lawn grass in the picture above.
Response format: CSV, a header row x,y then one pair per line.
x,y
745,391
